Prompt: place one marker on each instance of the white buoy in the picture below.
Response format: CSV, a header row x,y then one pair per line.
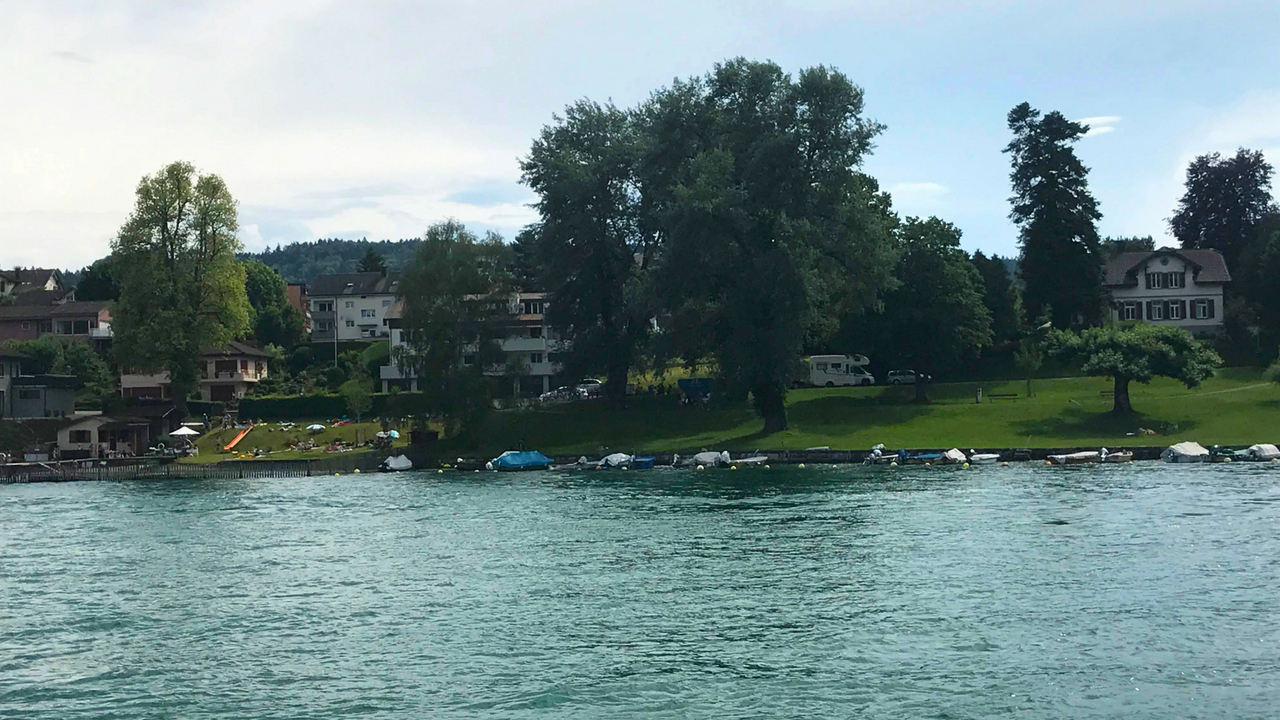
x,y
440,472
701,467
893,463
801,466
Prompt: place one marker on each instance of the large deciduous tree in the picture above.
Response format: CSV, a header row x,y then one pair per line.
x,y
181,287
1136,353
1225,200
456,310
770,233
273,320
1057,218
589,245
97,282
937,316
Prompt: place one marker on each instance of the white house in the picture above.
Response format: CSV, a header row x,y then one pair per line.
x,y
354,305
529,345
1169,286
226,374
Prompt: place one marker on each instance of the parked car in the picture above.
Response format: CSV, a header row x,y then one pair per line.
x,y
590,387
560,394
901,377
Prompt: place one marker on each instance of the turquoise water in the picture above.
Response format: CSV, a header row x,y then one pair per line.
x,y
1148,591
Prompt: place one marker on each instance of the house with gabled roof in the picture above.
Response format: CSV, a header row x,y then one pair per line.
x,y
352,305
227,373
1182,287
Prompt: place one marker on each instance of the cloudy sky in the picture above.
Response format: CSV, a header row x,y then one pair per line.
x,y
376,118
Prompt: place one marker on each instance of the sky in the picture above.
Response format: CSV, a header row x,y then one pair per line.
x,y
378,118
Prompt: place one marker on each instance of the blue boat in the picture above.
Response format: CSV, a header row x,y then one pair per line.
x,y
525,460
642,462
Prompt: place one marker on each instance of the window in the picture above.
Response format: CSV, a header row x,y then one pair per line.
x,y
26,324
351,303
535,358
1157,310
386,303
64,327
2,367
368,313
81,437
44,327
1202,310
1129,311
258,367
324,325
1155,281
1176,280
468,359
351,323
29,394
821,367
530,307
1175,310
80,327
244,366
535,331
323,306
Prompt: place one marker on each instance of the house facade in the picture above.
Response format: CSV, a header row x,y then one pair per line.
x,y
299,296
86,321
104,436
529,346
10,368
352,306
1179,287
226,374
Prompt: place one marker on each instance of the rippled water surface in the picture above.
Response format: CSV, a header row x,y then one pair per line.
x,y
1141,592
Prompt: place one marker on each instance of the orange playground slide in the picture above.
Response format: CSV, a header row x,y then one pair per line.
x,y
237,439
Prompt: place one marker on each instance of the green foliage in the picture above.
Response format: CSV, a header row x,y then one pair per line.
x,y
181,288
1137,353
1057,218
1224,202
62,356
1112,246
355,393
97,282
936,316
372,262
770,232
585,171
273,320
1000,297
456,310
1273,372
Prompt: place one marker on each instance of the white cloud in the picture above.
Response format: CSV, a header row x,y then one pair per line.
x,y
1253,119
1100,125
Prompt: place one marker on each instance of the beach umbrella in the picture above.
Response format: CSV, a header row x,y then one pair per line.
x,y
183,431
315,428
393,434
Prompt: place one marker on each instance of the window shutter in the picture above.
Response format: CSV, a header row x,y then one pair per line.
x,y
1166,309
1184,309
1210,308
1148,281
1148,309
1184,278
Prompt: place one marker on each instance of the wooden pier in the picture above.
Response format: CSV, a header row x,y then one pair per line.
x,y
167,469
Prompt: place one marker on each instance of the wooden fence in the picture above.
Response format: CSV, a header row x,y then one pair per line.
x,y
157,469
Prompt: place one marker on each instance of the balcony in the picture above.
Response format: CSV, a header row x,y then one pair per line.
x,y
524,344
250,377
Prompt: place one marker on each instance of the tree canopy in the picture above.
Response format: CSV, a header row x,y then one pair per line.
x,y
97,282
273,320
1000,296
372,262
936,316
1225,200
181,287
1137,353
456,310
1056,217
584,169
769,231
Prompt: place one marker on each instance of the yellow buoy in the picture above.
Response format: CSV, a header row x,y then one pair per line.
x,y
966,465
733,467
1004,464
357,470
1046,462
801,466
440,472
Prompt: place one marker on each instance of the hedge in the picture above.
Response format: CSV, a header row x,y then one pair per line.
x,y
308,407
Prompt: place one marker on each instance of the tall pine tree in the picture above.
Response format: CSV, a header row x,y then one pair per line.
x,y
1057,217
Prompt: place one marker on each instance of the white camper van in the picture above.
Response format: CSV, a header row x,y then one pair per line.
x,y
833,370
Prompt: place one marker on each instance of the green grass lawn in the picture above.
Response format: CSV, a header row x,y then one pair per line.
x,y
1236,407
272,437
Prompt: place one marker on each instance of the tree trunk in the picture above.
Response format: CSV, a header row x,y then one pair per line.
x,y
1121,404
922,387
772,406
179,396
615,388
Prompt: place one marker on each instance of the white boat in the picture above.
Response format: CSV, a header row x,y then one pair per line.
x,y
1264,451
616,460
977,458
1079,458
709,459
398,462
1185,452
953,457
753,460
1122,456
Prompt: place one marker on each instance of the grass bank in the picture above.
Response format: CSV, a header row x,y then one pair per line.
x,y
276,440
1236,407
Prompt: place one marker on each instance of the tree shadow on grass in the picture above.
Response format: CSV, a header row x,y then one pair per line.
x,y
835,414
1076,423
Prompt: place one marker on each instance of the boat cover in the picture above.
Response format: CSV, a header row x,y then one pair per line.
x,y
526,460
1185,452
710,458
1086,456
1265,451
616,460
953,457
983,458
399,462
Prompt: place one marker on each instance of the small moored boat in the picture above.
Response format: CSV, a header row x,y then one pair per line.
x,y
396,463
1265,451
520,460
1185,452
1078,458
977,458
1121,456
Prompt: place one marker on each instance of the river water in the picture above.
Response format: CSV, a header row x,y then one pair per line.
x,y
1147,591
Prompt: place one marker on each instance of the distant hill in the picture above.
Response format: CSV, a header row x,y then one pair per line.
x,y
303,261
